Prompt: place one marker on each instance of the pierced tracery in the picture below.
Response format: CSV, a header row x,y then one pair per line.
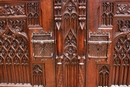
x,y
14,58
15,20
123,25
121,61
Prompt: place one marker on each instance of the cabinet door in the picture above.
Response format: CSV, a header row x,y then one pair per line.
x,y
64,43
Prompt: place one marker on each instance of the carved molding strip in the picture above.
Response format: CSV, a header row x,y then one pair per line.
x,y
29,10
120,86
123,8
7,9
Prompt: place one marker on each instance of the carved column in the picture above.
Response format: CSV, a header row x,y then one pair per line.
x,y
70,20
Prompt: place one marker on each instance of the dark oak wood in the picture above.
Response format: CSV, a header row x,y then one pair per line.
x,y
64,43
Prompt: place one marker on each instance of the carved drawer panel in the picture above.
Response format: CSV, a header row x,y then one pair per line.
x,y
43,45
98,45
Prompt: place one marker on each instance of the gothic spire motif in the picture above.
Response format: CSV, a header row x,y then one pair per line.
x,y
70,18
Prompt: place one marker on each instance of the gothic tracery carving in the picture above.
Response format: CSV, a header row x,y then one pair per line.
x,y
123,25
107,13
7,9
123,9
33,13
103,78
121,61
70,17
14,54
38,72
70,46
17,25
2,25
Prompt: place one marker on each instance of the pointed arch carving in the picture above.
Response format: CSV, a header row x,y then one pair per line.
x,y
107,13
104,73
70,19
14,58
121,60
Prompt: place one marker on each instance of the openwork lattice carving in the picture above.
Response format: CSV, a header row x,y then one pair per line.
x,y
103,78
99,42
43,45
7,9
123,25
17,25
2,25
14,57
38,75
15,19
33,13
107,13
121,61
70,17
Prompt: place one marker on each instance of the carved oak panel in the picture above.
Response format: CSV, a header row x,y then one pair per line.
x,y
107,13
98,45
64,43
14,58
38,74
121,61
103,75
33,13
70,19
43,45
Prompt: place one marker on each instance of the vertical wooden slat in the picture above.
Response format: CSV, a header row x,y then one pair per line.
x,y
120,79
13,72
5,73
125,75
28,75
1,78
113,75
117,75
128,75
11,68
